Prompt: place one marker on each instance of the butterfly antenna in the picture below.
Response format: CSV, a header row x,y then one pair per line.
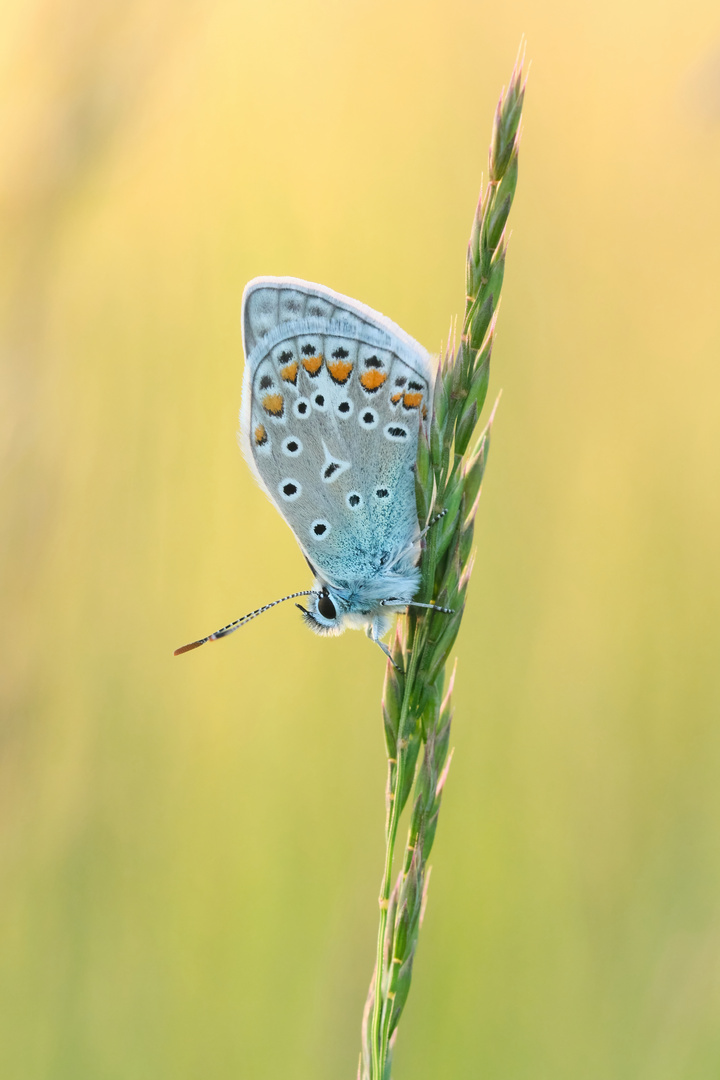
x,y
233,626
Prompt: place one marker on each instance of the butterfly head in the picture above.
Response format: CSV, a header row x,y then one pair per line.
x,y
358,605
326,612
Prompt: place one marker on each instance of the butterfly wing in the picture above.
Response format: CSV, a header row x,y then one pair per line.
x,y
333,397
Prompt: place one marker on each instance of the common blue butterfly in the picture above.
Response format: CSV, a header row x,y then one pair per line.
x,y
334,396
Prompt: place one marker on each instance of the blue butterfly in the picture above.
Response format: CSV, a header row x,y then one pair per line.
x,y
334,396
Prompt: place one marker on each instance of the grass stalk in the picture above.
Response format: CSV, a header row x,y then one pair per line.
x,y
417,710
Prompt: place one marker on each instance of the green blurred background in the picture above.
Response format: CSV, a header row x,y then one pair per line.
x,y
191,848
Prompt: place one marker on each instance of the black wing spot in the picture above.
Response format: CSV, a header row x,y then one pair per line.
x,y
302,408
308,350
397,432
285,357
344,407
265,382
353,500
368,418
382,493
290,489
292,446
319,400
372,361
414,385
401,381
331,470
340,353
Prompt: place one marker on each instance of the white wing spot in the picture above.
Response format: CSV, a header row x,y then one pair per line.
x,y
301,408
332,467
344,408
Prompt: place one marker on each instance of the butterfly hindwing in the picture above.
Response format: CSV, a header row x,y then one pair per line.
x,y
333,398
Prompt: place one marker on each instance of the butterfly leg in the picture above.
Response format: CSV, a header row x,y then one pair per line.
x,y
421,535
387,652
433,521
374,635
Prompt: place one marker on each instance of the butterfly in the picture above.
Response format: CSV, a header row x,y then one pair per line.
x,y
334,397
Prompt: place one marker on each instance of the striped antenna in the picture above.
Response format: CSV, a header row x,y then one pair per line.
x,y
231,627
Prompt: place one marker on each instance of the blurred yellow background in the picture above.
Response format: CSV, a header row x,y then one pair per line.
x,y
191,848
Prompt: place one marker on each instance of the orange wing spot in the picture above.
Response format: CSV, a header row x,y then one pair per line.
x,y
395,398
411,401
260,435
340,370
312,364
424,412
289,372
373,379
273,404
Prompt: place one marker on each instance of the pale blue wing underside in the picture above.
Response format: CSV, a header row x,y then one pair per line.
x,y
333,398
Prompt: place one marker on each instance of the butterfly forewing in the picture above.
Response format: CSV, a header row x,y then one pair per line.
x,y
333,398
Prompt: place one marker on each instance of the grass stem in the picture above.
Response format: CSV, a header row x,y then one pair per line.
x,y
417,713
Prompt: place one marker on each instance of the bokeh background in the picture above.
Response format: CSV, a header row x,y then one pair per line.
x,y
191,848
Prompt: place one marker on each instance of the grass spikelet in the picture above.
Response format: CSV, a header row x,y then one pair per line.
x,y
417,713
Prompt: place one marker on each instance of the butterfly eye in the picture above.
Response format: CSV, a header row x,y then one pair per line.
x,y
325,607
